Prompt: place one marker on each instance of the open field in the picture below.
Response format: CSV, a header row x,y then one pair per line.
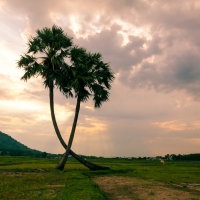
x,y
35,178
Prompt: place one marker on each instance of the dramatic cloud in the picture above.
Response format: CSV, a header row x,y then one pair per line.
x,y
153,48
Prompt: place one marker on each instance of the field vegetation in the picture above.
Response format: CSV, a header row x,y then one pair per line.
x,y
36,178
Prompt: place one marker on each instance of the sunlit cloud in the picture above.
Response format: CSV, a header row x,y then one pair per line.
x,y
178,125
129,29
89,107
91,126
154,101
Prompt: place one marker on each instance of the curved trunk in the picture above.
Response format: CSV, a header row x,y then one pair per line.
x,y
61,165
90,165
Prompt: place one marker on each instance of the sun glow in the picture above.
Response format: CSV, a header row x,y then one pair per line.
x,y
63,113
8,58
41,111
19,105
1,5
6,52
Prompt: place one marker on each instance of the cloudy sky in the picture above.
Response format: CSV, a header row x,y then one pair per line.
x,y
153,47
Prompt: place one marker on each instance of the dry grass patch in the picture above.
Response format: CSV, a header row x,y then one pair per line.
x,y
126,188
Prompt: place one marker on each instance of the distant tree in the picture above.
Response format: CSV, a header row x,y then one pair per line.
x,y
3,153
44,154
193,157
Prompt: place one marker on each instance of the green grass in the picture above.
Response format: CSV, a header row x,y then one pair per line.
x,y
172,171
36,178
48,185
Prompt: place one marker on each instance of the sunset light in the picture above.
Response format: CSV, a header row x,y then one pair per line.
x,y
154,55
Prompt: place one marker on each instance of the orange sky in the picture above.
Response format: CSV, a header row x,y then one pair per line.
x,y
152,46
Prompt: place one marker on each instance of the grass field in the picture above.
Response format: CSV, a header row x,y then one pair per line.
x,y
35,178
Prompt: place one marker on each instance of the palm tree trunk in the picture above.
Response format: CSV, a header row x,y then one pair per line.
x,y
90,165
61,165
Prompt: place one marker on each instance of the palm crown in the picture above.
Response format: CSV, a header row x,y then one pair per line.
x,y
45,55
87,76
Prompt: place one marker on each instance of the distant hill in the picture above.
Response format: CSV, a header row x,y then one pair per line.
x,y
7,142
10,146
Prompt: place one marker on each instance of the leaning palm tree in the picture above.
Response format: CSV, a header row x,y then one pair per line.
x,y
87,76
45,58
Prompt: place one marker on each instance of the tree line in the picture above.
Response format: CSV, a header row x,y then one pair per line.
x,y
193,157
29,153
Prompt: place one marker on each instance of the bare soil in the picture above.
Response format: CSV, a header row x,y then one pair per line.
x,y
127,188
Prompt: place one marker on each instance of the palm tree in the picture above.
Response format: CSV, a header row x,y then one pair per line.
x,y
45,57
87,76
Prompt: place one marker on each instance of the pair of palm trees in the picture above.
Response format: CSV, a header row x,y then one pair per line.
x,y
85,75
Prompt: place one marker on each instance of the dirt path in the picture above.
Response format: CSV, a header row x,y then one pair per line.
x,y
126,188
